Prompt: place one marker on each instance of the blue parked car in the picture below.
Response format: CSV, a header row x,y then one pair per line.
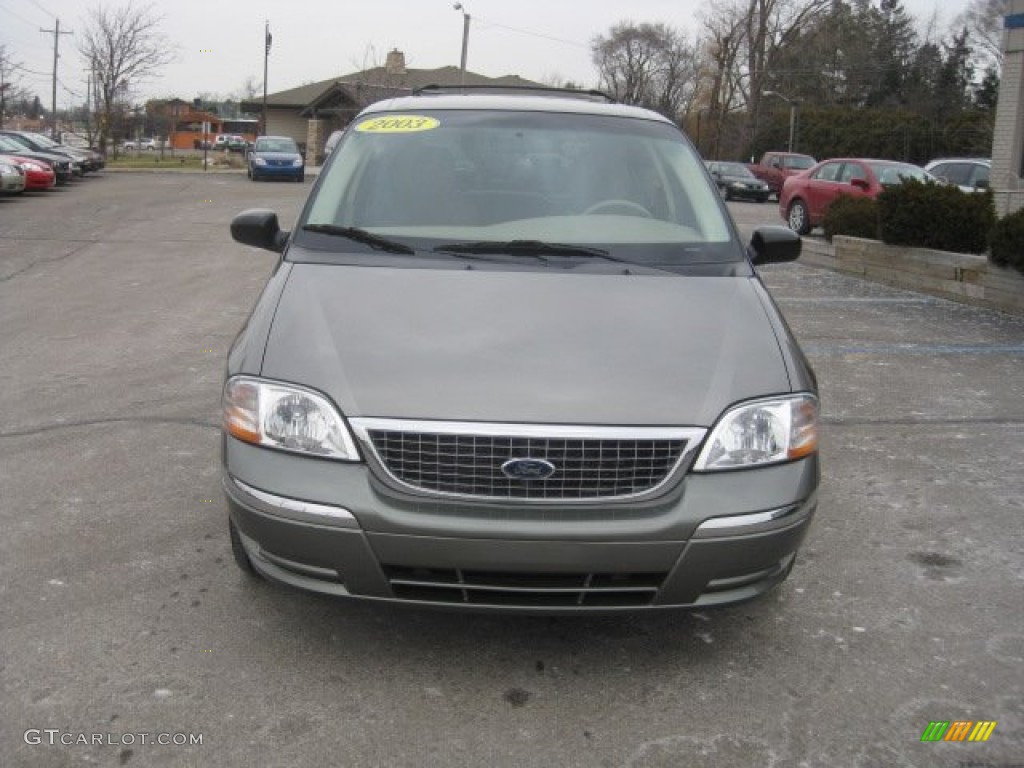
x,y
276,157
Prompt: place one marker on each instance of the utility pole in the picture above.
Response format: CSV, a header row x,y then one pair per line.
x,y
56,55
3,90
267,39
88,108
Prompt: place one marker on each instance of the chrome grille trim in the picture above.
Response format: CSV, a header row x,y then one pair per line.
x,y
690,439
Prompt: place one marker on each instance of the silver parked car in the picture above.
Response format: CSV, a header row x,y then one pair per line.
x,y
971,174
514,357
12,177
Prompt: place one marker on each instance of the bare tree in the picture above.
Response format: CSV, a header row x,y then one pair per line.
x,y
723,38
652,65
10,91
984,22
122,46
250,90
749,36
627,60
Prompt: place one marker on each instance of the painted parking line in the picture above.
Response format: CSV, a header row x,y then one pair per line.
x,y
907,349
856,300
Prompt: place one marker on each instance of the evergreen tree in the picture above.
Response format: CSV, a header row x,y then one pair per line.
x,y
894,48
986,93
957,75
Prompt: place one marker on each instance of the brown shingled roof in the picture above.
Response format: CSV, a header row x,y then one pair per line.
x,y
379,79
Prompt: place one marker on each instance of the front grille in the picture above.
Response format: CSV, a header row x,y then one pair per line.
x,y
500,588
612,464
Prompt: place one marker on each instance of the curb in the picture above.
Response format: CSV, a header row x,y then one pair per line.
x,y
194,171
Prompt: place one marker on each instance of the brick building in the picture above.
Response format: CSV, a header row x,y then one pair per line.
x,y
1008,140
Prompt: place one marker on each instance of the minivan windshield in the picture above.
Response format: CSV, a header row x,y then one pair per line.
x,y
443,177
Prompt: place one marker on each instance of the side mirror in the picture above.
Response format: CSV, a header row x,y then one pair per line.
x,y
774,245
259,227
981,184
861,184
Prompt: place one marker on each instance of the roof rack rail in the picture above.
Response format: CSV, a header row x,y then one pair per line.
x,y
593,95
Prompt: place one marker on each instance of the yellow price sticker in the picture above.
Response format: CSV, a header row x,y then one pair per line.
x,y
398,124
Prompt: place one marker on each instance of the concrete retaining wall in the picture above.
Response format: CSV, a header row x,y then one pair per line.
x,y
960,277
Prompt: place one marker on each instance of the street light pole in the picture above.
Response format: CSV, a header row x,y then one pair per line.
x,y
465,39
792,115
267,39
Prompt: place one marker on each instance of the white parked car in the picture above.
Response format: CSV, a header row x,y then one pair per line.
x,y
150,144
969,173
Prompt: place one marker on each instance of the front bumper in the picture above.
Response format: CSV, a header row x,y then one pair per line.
x,y
278,171
713,540
12,184
749,193
38,181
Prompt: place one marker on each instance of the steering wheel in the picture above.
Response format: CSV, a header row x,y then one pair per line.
x,y
628,206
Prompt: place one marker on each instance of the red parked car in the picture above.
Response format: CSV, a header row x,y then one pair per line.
x,y
38,175
806,196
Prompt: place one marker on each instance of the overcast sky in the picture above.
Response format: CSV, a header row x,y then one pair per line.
x,y
219,45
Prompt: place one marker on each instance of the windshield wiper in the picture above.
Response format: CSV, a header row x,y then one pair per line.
x,y
539,250
361,236
522,248
536,248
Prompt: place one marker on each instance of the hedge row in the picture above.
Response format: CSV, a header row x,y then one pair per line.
x,y
928,215
1007,241
940,216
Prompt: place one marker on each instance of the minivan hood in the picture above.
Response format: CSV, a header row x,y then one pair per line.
x,y
524,346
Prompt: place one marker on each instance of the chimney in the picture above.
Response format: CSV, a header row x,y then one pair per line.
x,y
395,64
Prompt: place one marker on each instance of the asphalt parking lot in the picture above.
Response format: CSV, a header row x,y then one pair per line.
x,y
124,616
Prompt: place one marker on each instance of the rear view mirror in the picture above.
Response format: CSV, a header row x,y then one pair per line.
x,y
773,245
259,227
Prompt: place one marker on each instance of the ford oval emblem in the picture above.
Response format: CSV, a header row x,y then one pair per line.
x,y
528,469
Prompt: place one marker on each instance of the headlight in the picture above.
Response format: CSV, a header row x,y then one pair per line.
x,y
286,417
259,161
762,432
297,162
738,185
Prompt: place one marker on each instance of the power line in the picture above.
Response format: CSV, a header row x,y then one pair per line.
x,y
26,70
44,10
20,18
575,43
70,92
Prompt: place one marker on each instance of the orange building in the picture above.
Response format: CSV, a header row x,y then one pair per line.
x,y
189,126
